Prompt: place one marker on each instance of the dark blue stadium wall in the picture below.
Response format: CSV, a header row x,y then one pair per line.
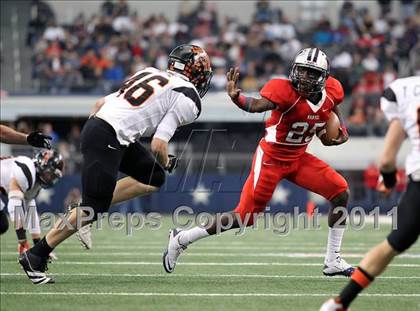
x,y
208,193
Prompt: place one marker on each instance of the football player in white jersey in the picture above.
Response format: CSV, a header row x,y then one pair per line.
x,y
150,103
400,103
21,180
10,136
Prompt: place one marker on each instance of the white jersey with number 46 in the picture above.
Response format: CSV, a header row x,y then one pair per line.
x,y
401,100
151,103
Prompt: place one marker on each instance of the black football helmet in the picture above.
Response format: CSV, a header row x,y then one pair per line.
x,y
49,166
194,63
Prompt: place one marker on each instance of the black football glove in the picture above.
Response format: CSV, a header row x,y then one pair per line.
x,y
37,139
172,163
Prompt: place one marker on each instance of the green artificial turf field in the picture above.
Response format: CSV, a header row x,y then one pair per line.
x,y
260,270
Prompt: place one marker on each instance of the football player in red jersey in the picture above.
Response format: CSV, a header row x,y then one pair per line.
x,y
300,107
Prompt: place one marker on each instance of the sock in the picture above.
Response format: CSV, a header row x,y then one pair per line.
x,y
335,236
21,235
36,240
360,279
41,249
192,235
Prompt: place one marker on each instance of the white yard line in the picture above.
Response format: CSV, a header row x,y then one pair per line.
x,y
140,248
197,294
158,263
204,275
216,254
227,244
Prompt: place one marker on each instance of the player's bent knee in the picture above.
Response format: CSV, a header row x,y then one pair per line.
x,y
402,239
341,198
158,178
95,206
97,182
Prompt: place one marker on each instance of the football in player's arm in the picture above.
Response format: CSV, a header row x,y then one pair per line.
x,y
252,105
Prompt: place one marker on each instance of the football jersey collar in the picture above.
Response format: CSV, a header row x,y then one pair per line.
x,y
314,107
178,75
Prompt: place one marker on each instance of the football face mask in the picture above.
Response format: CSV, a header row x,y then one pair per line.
x,y
310,71
49,167
308,80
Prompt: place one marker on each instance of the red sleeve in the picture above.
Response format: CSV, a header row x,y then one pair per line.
x,y
279,92
335,90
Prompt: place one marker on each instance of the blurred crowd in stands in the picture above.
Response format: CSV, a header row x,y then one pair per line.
x,y
94,54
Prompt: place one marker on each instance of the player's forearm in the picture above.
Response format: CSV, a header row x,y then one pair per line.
x,y
10,136
252,105
388,162
160,150
393,140
244,103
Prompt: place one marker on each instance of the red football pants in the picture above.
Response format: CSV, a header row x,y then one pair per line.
x,y
308,172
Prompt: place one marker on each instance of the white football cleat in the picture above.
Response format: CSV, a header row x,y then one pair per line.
x,y
173,251
333,305
337,266
84,235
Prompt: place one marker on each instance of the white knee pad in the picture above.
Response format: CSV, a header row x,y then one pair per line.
x,y
33,226
16,201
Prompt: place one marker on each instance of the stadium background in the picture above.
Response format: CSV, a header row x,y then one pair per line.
x,y
58,57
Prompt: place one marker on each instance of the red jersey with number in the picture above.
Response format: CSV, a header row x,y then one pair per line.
x,y
295,119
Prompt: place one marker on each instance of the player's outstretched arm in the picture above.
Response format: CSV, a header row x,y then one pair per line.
x,y
36,139
248,104
10,136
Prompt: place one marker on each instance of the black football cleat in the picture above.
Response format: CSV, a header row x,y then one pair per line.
x,y
35,267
